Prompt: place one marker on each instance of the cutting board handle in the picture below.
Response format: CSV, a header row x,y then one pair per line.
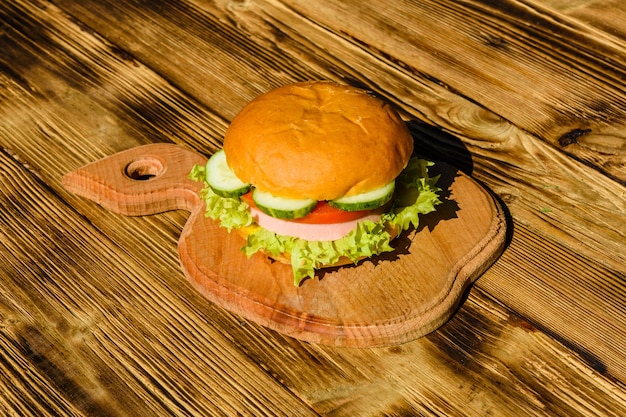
x,y
140,181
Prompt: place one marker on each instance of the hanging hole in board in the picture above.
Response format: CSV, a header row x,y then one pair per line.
x,y
144,169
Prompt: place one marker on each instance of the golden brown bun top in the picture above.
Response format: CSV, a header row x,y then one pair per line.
x,y
317,140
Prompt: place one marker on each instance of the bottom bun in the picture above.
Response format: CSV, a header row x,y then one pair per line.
x,y
285,257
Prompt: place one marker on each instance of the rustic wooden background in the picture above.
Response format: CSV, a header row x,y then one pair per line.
x,y
527,96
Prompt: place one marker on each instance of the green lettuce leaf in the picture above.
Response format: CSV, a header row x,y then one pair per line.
x,y
231,213
416,193
367,239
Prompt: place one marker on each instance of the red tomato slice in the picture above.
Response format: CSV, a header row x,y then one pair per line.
x,y
323,213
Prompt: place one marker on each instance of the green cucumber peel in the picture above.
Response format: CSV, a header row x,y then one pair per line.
x,y
366,201
282,208
222,179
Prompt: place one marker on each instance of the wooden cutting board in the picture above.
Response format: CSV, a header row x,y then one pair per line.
x,y
386,300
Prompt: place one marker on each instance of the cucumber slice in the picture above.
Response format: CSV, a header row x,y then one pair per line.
x,y
222,179
280,207
365,201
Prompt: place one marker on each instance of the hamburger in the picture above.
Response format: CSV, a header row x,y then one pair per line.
x,y
317,175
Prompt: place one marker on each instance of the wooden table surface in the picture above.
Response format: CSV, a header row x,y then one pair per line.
x,y
526,96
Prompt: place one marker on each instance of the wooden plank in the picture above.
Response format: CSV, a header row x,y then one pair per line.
x,y
59,310
409,70
540,279
585,121
99,77
67,320
103,335
500,74
518,67
608,16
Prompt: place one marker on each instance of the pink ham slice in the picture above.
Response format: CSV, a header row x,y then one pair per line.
x,y
308,231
